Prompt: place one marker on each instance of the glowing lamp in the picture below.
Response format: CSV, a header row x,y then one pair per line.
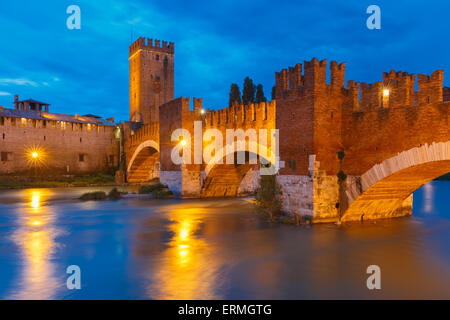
x,y
183,143
35,155
386,92
202,111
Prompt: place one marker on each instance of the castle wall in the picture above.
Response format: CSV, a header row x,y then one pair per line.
x,y
369,123
62,149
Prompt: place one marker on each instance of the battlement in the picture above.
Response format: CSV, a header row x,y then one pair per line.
x,y
240,114
399,77
145,132
396,90
313,77
430,87
446,93
148,44
371,96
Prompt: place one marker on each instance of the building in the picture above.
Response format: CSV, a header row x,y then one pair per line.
x,y
33,139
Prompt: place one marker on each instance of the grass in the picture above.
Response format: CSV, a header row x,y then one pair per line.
x,y
98,179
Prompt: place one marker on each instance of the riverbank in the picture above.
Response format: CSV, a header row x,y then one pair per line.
x,y
67,181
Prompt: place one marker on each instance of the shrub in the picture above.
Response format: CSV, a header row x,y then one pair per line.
x,y
268,195
151,188
96,195
162,194
114,194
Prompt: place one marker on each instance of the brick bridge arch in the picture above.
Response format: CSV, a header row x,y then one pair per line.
x,y
231,180
386,189
142,153
144,163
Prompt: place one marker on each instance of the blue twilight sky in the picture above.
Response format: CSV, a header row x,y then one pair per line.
x,y
217,43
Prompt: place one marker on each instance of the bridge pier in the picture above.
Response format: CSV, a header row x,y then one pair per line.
x,y
186,182
316,195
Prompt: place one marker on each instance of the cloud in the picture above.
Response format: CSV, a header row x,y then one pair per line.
x,y
3,93
18,82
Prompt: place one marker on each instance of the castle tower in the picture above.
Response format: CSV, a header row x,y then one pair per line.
x,y
151,78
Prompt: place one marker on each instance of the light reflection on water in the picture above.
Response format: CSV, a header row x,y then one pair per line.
x,y
213,249
35,239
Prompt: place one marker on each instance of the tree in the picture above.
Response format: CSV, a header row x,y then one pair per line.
x,y
235,94
268,195
260,94
248,93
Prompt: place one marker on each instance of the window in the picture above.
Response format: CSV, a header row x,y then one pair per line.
x,y
13,122
111,159
63,125
44,123
53,124
81,157
6,156
157,57
292,164
34,123
24,122
2,121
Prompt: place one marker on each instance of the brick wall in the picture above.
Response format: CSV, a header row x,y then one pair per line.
x,y
73,150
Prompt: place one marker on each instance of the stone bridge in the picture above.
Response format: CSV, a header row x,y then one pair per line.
x,y
349,151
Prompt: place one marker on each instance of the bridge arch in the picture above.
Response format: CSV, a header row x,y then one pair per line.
x,y
386,189
144,163
231,180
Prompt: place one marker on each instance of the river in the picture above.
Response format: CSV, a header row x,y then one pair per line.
x,y
138,248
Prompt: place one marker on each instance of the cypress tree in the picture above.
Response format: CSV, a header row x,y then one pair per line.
x,y
235,95
260,94
248,93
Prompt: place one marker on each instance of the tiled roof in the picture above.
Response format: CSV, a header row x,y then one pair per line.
x,y
41,115
34,101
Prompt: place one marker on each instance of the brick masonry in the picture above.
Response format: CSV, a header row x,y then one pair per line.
x,y
64,147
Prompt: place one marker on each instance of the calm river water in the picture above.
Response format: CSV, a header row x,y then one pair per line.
x,y
214,249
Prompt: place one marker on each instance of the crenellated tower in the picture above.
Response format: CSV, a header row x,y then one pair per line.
x,y
151,78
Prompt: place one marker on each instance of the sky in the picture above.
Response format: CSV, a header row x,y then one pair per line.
x,y
216,43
